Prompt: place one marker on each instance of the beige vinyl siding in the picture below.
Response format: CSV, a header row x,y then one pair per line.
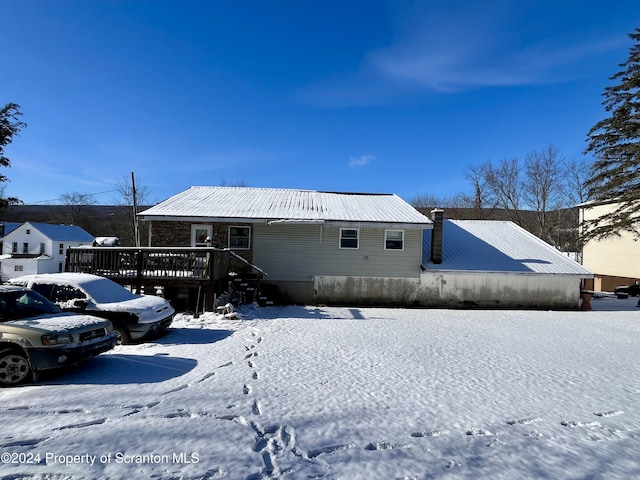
x,y
298,252
615,256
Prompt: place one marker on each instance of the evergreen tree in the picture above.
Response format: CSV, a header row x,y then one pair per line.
x,y
615,145
10,126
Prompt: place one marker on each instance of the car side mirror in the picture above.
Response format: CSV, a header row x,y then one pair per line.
x,y
80,304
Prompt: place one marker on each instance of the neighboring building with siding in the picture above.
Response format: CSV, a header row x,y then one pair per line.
x,y
350,248
614,260
39,248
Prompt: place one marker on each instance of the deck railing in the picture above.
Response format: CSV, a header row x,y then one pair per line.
x,y
141,263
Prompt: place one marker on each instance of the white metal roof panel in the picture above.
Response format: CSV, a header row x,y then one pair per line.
x,y
286,205
498,246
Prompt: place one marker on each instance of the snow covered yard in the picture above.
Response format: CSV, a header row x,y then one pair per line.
x,y
345,393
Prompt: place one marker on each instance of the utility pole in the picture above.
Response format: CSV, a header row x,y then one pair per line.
x,y
136,231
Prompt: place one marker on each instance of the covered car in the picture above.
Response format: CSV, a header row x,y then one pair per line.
x,y
134,317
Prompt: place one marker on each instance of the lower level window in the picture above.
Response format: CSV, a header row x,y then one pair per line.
x,y
349,238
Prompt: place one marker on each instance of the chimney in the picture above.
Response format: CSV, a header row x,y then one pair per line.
x,y
437,215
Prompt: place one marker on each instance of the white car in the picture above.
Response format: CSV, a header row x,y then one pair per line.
x,y
134,317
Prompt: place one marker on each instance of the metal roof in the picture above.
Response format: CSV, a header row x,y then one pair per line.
x,y
498,246
264,205
68,233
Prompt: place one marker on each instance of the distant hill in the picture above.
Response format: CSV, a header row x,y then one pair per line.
x,y
98,220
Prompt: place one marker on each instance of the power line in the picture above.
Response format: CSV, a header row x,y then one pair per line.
x,y
60,198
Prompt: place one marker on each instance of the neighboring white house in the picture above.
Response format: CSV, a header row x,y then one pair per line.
x,y
39,248
614,260
359,249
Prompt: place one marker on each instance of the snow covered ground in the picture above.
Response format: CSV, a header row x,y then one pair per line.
x,y
345,393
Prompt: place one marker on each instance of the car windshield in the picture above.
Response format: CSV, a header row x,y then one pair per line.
x,y
24,304
103,290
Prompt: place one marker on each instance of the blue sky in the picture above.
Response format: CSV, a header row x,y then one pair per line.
x,y
370,96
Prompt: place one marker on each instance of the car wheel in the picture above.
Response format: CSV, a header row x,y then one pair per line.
x,y
14,368
123,335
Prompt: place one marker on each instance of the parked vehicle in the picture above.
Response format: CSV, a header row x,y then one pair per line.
x,y
134,317
35,335
632,290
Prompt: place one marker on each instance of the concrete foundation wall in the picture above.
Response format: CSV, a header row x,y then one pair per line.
x,y
451,290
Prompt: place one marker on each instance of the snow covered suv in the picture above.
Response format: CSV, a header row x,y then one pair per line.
x,y
35,335
134,317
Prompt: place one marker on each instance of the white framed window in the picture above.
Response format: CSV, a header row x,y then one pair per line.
x,y
42,249
17,268
200,234
61,248
349,237
240,237
14,247
25,247
394,239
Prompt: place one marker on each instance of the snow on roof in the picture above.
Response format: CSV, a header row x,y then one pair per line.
x,y
10,227
497,246
261,205
69,233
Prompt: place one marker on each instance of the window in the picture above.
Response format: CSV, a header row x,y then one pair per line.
x,y
25,247
394,239
42,249
14,247
240,237
28,231
61,249
349,237
17,268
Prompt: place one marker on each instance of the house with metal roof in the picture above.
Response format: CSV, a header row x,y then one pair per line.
x,y
354,248
32,248
296,236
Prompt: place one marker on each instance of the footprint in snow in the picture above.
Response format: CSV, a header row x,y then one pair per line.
x,y
99,421
524,421
580,424
479,432
330,449
433,433
23,443
181,387
612,413
206,377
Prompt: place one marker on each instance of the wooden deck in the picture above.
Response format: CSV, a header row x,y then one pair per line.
x,y
174,270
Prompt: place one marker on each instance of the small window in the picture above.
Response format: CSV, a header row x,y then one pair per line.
x,y
349,238
394,240
240,237
61,249
17,268
28,231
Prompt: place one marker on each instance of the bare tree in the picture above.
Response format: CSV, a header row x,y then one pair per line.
x,y
78,203
542,189
504,182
